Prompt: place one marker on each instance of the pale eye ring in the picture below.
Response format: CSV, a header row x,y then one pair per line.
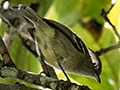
x,y
95,65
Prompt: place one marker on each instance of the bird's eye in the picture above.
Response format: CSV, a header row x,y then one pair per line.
x,y
95,65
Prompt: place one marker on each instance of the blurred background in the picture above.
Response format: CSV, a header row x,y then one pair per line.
x,y
83,18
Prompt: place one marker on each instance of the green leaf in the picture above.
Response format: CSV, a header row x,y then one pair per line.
x,y
69,12
92,8
23,58
2,28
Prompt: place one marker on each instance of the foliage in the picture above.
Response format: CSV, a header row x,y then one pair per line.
x,y
70,12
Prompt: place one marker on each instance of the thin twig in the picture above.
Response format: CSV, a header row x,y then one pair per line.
x,y
107,49
104,15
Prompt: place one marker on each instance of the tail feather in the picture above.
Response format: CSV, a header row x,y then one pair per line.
x,y
27,12
31,15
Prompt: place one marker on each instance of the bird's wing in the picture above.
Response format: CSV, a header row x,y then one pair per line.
x,y
75,39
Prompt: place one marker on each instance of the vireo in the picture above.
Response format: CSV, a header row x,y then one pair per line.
x,y
60,47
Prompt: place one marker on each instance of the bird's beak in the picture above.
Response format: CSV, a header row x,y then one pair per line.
x,y
97,77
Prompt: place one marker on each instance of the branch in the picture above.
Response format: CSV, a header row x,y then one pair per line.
x,y
107,49
46,82
104,15
16,86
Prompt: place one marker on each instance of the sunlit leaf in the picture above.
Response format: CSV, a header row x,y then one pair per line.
x,y
69,12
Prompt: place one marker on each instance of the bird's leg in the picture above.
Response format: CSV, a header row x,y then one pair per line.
x,y
48,70
44,66
39,56
59,63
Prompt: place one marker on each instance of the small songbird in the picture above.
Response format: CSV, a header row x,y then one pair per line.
x,y
60,47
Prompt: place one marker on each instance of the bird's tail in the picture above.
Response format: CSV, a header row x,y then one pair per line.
x,y
27,12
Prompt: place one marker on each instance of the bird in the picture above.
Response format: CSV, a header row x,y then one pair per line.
x,y
60,47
